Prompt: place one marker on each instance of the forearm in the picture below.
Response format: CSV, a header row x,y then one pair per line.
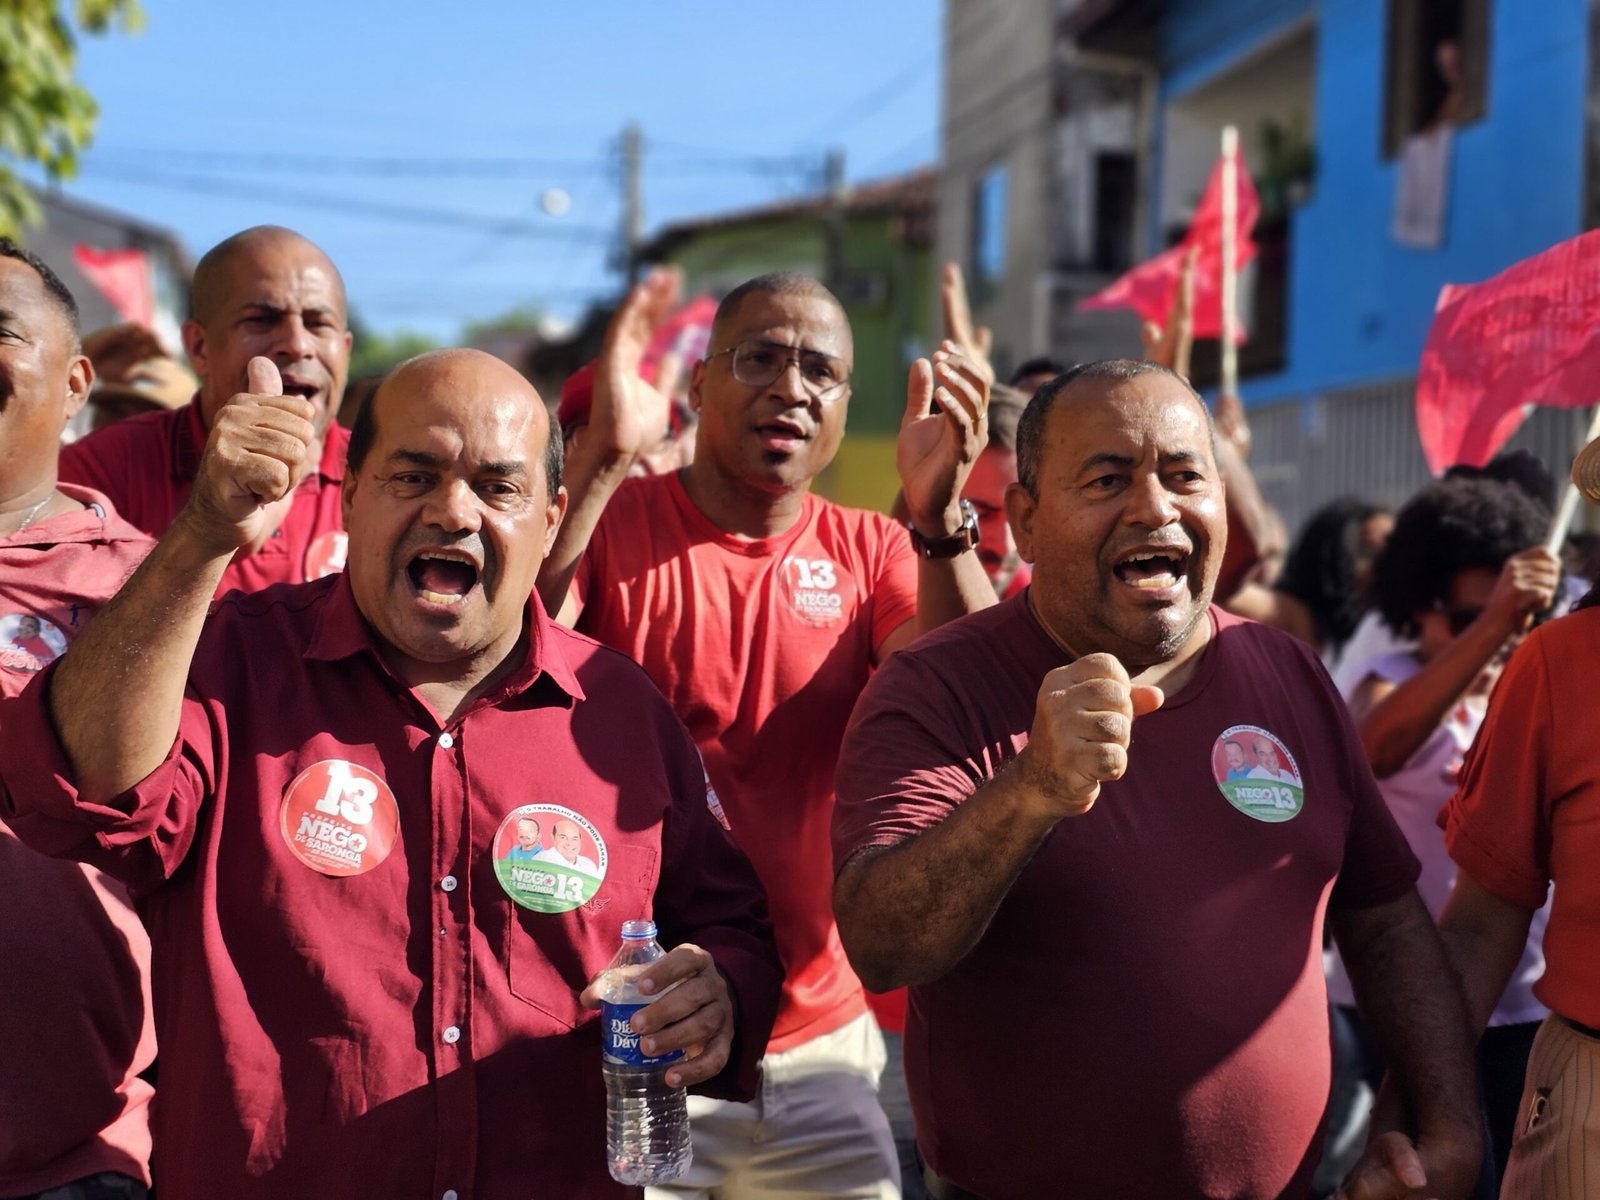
x,y
1408,995
909,913
1397,725
949,588
590,481
117,699
1483,938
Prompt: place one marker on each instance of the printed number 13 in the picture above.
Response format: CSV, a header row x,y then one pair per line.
x,y
347,796
815,573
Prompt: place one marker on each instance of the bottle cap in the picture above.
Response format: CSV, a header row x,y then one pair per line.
x,y
638,929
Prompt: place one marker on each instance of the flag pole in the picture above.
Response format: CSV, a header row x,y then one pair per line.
x,y
1230,279
1568,508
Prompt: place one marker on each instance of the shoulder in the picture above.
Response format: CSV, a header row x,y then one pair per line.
x,y
289,607
606,675
144,429
947,657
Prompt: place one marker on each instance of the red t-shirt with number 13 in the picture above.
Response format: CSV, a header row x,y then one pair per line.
x,y
761,647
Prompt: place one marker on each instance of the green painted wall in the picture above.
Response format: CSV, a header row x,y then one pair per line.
x,y
889,315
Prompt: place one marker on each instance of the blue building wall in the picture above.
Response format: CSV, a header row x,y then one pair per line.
x,y
1360,303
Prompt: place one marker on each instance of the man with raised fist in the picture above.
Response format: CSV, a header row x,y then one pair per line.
x,y
264,292
1113,941
312,794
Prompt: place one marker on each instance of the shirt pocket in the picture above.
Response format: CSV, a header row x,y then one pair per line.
x,y
550,957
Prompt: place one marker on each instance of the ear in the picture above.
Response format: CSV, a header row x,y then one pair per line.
x,y
695,378
1020,507
80,378
347,491
554,512
194,345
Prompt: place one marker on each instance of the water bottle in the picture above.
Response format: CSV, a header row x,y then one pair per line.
x,y
647,1122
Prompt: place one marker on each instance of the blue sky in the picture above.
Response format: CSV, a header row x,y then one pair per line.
x,y
221,115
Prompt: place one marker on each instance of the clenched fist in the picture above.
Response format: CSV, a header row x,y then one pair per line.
x,y
1082,724
257,453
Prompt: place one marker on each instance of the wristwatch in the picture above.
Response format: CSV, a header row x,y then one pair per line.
x,y
963,539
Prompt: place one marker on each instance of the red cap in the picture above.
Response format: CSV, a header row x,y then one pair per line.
x,y
577,396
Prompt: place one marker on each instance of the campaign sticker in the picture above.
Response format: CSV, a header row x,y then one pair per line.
x,y
815,591
548,859
29,643
327,554
340,818
1256,773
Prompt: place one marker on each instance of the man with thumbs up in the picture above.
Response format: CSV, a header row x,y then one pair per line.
x,y
1114,949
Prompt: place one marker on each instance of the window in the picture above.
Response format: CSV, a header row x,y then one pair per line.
x,y
1437,66
989,199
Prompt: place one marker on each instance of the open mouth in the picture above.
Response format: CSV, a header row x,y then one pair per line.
x,y
782,434
443,577
1155,570
306,391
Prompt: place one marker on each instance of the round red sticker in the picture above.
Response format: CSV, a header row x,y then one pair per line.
x,y
327,554
340,818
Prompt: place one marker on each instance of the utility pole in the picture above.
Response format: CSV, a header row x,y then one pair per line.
x,y
632,199
833,226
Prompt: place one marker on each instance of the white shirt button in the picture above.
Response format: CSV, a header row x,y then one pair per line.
x,y
449,1194
448,883
446,740
451,1035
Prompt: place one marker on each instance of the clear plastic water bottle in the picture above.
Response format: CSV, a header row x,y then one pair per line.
x,y
647,1122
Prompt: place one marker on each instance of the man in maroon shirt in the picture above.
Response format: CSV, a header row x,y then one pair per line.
x,y
268,292
75,1028
312,792
1036,831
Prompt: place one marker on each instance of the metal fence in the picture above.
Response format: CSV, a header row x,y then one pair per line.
x,y
1363,442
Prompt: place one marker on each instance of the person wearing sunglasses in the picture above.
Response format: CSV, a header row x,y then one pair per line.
x,y
1462,576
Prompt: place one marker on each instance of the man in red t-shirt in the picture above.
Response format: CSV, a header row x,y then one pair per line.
x,y
1036,830
268,292
74,958
760,610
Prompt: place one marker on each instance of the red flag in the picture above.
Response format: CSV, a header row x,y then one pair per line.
x,y
686,333
123,278
1149,287
1530,335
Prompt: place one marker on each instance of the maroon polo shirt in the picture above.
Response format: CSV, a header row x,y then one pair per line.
x,y
1146,1014
147,464
74,959
337,1021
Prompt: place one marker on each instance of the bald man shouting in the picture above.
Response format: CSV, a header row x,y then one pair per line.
x,y
266,291
313,793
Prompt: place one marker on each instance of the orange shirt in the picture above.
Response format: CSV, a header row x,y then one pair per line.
x,y
1527,813
761,647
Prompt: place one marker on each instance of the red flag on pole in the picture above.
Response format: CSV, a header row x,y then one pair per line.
x,y
1530,335
1148,288
123,278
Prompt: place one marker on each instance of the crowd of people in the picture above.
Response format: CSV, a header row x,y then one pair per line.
x,y
1210,865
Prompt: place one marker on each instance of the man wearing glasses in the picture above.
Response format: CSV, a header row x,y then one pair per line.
x,y
760,609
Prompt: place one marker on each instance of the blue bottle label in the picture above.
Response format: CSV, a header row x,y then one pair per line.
x,y
621,1043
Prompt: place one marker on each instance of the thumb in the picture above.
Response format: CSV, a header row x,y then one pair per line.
x,y
261,378
1146,699
919,390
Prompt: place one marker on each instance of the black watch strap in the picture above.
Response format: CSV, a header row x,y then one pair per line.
x,y
963,539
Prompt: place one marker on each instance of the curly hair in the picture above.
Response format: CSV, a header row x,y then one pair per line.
x,y
1448,527
1320,571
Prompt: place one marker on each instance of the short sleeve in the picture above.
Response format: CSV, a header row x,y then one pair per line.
x,y
894,589
900,771
1497,825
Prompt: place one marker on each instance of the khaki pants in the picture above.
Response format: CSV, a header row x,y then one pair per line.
x,y
1556,1151
814,1129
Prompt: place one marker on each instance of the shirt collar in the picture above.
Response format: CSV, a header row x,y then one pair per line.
x,y
342,632
189,435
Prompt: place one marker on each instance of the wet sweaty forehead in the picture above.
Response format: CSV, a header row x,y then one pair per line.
x,y
1098,419
808,320
271,267
460,402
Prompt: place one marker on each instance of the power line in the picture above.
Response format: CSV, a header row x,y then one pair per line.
x,y
378,210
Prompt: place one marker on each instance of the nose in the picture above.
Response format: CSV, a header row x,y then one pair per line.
x,y
295,340
453,507
1150,503
790,386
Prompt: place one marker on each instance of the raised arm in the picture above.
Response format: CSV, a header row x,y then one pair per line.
x,y
620,428
909,913
1402,718
117,698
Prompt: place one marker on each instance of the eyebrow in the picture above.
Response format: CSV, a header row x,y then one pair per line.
x,y
508,468
800,349
1180,455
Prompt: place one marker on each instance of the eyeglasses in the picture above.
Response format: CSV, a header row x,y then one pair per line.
x,y
756,363
1459,619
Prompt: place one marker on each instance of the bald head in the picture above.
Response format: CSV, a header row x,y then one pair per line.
x,y
778,283
215,273
478,377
